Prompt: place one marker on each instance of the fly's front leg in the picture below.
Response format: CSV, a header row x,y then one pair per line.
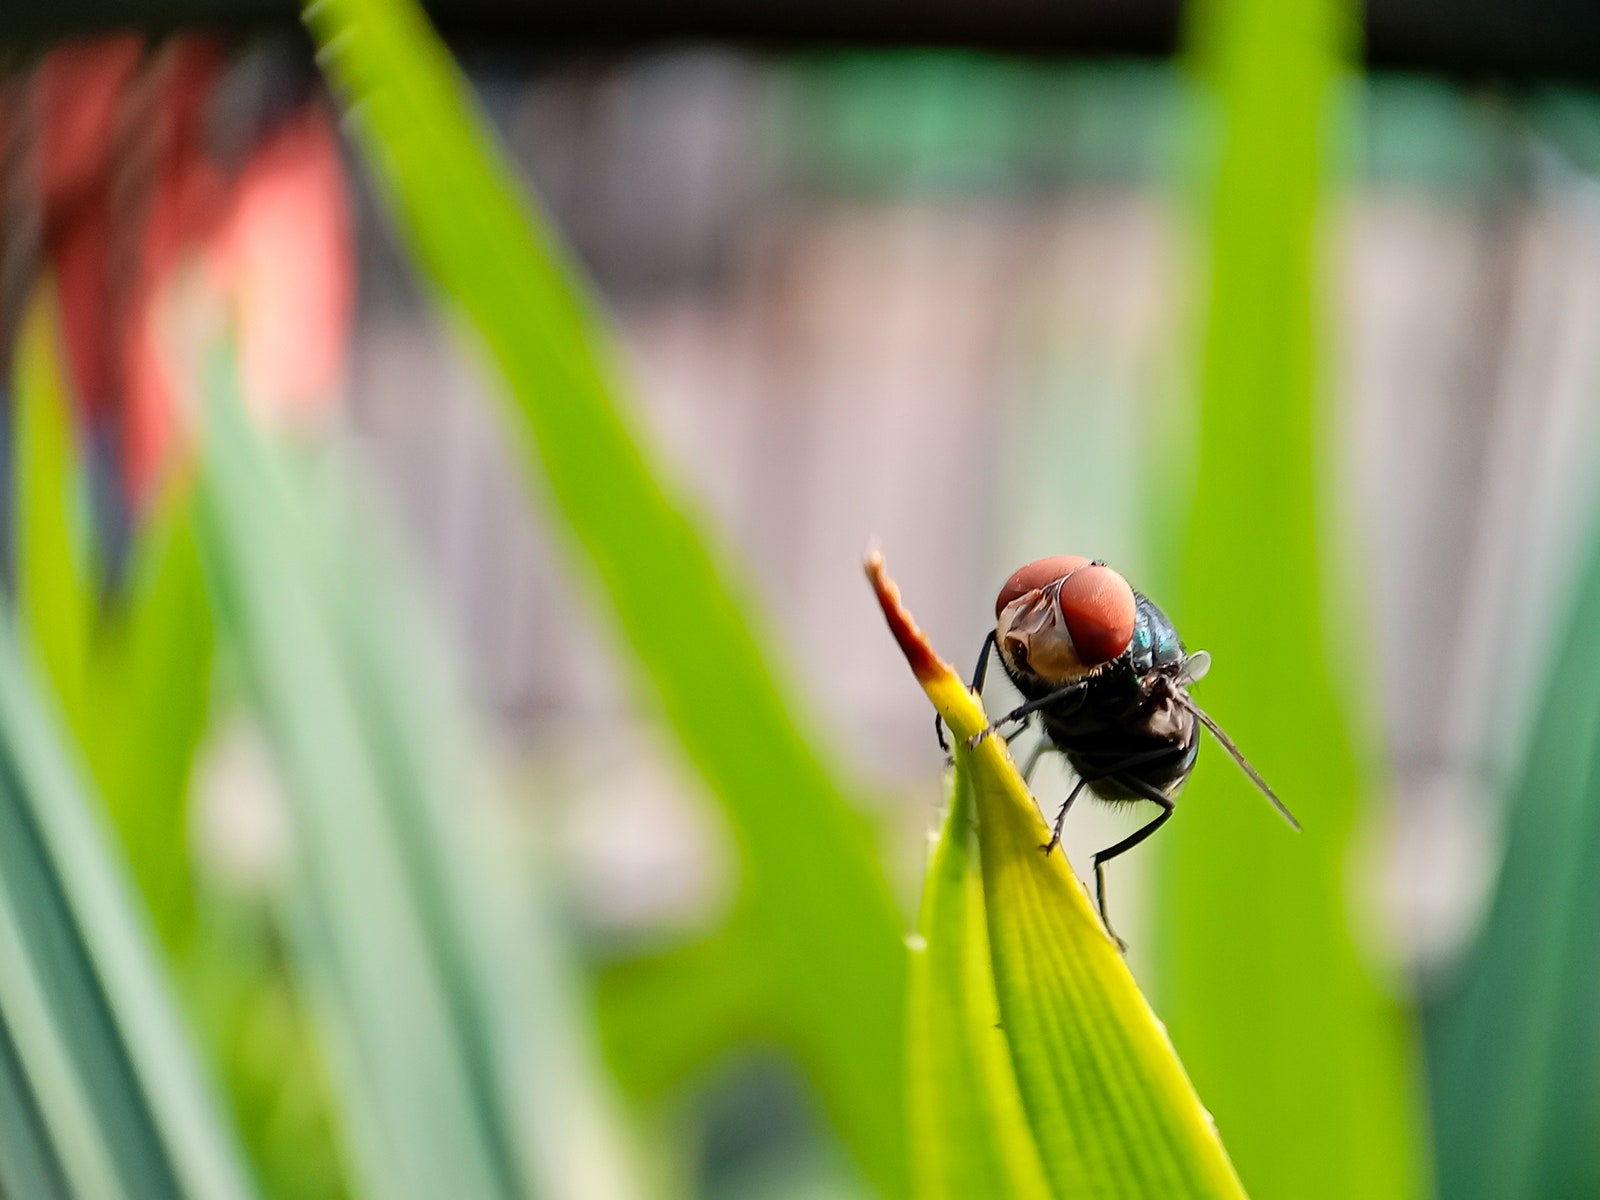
x,y
1032,706
979,673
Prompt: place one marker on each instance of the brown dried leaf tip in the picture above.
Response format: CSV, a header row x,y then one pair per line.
x,y
925,664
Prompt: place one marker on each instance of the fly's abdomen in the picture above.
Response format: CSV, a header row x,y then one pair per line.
x,y
1107,771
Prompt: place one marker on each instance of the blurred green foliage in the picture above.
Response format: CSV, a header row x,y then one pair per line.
x,y
394,1012
422,997
105,1095
1307,1064
828,962
132,677
1513,1050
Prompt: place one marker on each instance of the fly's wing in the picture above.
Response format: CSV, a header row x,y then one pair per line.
x,y
1194,669
1237,755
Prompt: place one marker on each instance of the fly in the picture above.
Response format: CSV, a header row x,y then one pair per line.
x,y
1107,676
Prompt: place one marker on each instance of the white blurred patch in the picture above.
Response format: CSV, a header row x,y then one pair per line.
x,y
642,850
1433,859
239,819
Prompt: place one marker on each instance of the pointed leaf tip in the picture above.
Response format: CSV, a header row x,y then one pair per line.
x,y
925,664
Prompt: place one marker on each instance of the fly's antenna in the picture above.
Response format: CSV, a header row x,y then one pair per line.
x,y
1238,757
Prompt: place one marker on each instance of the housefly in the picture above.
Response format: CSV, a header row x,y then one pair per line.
x,y
1105,673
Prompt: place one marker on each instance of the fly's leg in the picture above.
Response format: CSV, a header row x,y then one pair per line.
x,y
980,671
1034,756
1133,760
978,674
1061,817
1155,796
1026,710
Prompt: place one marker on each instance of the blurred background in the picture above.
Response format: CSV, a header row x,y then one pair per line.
x,y
928,276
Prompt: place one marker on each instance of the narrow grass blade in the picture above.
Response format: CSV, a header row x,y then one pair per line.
x,y
969,1134
107,655
94,1060
1108,1104
80,993
1306,1062
454,1048
1514,1050
831,957
28,1163
131,671
55,552
155,640
412,1105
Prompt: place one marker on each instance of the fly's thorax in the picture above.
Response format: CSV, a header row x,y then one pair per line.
x,y
1125,710
1155,643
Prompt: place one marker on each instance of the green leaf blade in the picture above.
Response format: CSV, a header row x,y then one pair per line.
x,y
835,957
431,957
125,1100
970,1135
1514,1100
29,1165
1304,1056
410,1099
55,585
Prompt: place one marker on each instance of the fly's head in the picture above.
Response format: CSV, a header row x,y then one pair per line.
x,y
1063,619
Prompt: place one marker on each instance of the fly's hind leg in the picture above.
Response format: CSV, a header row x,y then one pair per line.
x,y
1087,777
1155,796
1034,756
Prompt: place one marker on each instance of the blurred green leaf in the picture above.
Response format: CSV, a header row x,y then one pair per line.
x,y
969,1135
108,660
1307,1064
55,597
831,958
1514,1050
459,1067
101,1056
28,1163
147,689
255,1022
703,992
132,671
1110,1110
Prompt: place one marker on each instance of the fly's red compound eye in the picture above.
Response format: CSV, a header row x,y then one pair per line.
x,y
1035,576
1099,609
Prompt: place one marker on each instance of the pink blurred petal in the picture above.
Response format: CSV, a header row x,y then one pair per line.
x,y
76,91
285,255
180,196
